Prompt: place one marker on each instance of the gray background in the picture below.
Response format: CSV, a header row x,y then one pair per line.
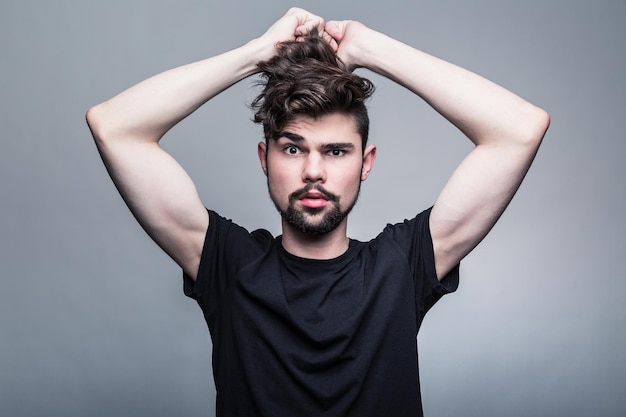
x,y
92,317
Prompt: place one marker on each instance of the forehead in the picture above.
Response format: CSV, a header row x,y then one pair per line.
x,y
336,127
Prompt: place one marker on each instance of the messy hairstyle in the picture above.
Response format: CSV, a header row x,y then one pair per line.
x,y
307,78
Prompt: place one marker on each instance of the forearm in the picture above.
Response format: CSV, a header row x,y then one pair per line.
x,y
482,110
146,111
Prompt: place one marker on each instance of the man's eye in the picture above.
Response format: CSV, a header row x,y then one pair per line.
x,y
336,152
292,150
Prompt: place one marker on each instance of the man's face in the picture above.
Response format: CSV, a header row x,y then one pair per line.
x,y
314,170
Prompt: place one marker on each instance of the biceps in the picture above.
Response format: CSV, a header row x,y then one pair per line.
x,y
161,196
474,198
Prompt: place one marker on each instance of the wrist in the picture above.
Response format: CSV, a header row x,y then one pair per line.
x,y
356,45
367,50
260,49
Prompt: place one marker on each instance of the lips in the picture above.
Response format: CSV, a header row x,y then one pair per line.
x,y
312,196
313,199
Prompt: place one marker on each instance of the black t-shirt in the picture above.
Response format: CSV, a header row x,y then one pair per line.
x,y
301,337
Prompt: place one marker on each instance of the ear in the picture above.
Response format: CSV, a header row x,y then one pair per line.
x,y
369,156
262,152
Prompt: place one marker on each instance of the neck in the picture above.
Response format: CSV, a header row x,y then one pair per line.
x,y
327,246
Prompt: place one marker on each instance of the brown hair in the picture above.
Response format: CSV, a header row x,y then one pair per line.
x,y
307,78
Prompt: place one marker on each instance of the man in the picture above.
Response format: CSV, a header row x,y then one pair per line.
x,y
312,322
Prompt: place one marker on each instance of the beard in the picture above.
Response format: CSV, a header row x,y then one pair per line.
x,y
328,219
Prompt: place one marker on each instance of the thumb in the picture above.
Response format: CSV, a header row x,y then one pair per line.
x,y
335,29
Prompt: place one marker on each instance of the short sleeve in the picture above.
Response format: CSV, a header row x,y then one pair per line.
x,y
414,238
227,248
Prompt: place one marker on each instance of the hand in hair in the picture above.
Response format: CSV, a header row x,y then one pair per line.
x,y
349,37
295,25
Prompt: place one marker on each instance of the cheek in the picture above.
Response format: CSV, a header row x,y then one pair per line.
x,y
347,185
280,181
284,169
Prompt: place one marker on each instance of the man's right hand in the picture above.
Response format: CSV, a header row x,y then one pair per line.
x,y
294,25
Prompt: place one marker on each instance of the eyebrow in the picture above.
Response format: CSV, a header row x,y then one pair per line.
x,y
331,146
326,146
291,136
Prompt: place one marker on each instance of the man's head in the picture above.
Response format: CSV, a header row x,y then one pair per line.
x,y
316,128
306,78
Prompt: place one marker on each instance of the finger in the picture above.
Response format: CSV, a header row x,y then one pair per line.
x,y
330,40
312,23
335,30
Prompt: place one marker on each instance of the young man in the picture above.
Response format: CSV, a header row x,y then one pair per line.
x,y
312,322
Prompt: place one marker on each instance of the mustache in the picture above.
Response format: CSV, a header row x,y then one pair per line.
x,y
310,187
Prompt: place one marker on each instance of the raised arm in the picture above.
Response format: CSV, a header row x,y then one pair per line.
x,y
505,129
127,129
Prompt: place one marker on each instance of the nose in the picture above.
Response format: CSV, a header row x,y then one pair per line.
x,y
313,169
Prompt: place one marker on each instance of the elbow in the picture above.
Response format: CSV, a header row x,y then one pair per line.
x,y
522,126
93,117
542,122
536,123
103,124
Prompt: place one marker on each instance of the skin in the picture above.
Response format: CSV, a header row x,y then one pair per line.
x,y
506,132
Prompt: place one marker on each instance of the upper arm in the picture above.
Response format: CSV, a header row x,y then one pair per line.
x,y
160,194
478,192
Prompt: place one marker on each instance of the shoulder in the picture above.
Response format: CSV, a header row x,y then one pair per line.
x,y
224,232
410,231
403,241
413,237
227,248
